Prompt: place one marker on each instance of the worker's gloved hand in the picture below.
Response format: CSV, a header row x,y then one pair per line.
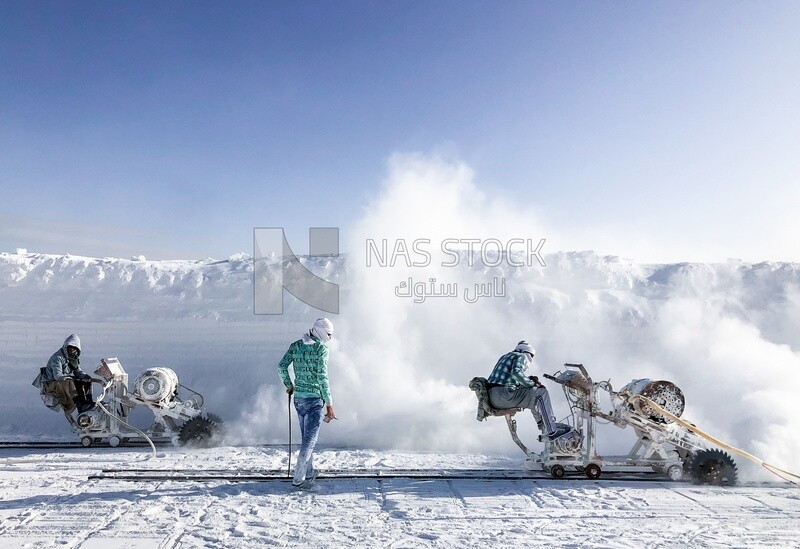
x,y
535,380
290,391
86,377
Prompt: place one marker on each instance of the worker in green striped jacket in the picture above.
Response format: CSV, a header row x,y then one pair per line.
x,y
308,357
510,387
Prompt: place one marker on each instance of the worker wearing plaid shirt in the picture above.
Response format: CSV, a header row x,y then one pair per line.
x,y
510,387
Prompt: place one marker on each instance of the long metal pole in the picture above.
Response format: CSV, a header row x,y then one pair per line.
x,y
289,467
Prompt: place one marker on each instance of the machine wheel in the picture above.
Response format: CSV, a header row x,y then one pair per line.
x,y
714,467
86,441
114,441
198,432
557,471
593,471
675,472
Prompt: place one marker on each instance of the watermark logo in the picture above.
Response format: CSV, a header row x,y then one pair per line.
x,y
517,252
418,253
276,267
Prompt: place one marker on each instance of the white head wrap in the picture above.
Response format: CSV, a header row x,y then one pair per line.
x,y
322,329
525,347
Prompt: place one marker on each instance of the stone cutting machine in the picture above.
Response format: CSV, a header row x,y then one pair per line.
x,y
177,410
661,445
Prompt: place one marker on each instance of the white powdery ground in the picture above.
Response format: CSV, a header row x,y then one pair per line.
x,y
46,500
722,332
714,329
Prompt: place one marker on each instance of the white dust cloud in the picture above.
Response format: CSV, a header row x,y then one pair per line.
x,y
400,369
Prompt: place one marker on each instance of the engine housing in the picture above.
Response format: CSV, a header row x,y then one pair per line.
x,y
156,385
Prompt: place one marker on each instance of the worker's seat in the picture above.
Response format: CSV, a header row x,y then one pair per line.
x,y
50,401
485,409
506,412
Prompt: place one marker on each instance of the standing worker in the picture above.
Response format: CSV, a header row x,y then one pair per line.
x,y
309,359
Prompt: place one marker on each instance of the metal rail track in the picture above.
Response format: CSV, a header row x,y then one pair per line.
x,y
274,475
62,445
39,444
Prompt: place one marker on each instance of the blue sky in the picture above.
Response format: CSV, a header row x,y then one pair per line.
x,y
172,129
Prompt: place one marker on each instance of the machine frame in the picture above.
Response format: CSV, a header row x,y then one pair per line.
x,y
661,445
108,421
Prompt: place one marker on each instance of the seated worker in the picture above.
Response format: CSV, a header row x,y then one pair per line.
x,y
509,387
65,381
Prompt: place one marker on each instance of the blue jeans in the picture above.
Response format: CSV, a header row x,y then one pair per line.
x,y
537,399
309,413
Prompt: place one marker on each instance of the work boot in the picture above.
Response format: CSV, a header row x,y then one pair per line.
x,y
306,486
560,430
86,407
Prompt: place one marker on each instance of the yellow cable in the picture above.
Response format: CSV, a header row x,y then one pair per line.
x,y
769,467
